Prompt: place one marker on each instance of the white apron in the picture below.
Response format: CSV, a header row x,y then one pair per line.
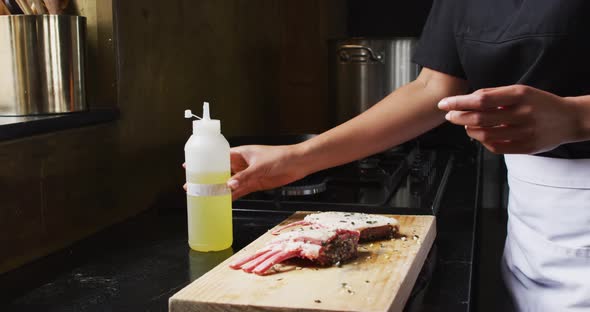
x,y
546,264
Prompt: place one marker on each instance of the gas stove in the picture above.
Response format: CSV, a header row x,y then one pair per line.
x,y
406,179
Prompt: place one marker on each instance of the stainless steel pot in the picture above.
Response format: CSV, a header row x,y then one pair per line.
x,y
42,64
364,70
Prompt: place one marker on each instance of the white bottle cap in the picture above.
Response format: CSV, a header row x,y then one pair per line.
x,y
206,125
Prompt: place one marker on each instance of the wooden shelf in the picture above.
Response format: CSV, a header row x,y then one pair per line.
x,y
23,126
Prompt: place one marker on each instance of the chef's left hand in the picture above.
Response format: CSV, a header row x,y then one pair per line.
x,y
515,119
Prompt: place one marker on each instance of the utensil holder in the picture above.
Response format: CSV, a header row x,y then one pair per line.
x,y
42,61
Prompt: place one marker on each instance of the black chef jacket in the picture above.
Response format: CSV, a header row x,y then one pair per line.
x,y
490,43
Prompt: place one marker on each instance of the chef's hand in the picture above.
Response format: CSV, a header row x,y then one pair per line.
x,y
514,119
260,167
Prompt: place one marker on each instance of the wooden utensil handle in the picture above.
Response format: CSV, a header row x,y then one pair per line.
x,y
64,4
24,6
4,9
56,6
38,7
52,6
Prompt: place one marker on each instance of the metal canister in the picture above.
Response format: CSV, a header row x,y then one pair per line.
x,y
365,70
42,64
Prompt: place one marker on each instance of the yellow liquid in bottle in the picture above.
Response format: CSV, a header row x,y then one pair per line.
x,y
209,217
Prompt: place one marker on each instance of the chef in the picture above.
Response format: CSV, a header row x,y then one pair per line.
x,y
516,75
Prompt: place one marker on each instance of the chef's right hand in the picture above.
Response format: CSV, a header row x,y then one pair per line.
x,y
261,167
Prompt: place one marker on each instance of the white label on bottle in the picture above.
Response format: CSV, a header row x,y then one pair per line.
x,y
194,189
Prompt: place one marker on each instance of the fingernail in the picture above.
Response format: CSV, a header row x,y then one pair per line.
x,y
233,184
443,104
448,116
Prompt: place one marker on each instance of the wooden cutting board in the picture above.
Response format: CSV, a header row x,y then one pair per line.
x,y
379,279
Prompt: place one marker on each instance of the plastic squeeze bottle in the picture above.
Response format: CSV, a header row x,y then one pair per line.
x,y
208,198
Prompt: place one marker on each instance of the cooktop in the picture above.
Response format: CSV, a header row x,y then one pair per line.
x,y
408,179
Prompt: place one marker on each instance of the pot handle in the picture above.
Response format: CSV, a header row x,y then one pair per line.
x,y
344,56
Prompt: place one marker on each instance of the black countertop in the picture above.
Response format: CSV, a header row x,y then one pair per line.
x,y
138,264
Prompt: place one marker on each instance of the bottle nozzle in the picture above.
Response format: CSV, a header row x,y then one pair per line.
x,y
205,124
206,111
188,114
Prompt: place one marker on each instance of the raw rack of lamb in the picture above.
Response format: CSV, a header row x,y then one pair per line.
x,y
371,227
320,245
325,238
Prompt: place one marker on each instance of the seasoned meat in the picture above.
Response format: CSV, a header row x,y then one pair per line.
x,y
320,245
325,238
371,227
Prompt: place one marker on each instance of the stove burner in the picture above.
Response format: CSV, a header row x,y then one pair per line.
x,y
370,169
368,163
308,186
303,190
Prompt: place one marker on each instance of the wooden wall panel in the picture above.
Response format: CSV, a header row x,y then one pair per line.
x,y
101,80
257,61
21,207
307,26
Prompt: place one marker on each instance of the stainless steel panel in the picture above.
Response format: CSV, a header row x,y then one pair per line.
x,y
364,70
42,64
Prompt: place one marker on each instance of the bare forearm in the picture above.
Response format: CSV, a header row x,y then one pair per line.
x,y
401,116
581,105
